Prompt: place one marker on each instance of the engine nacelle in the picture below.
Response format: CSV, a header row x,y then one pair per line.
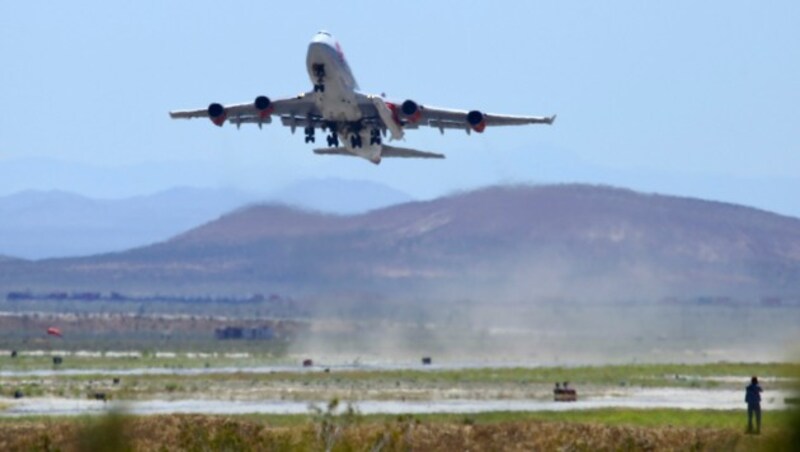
x,y
264,106
476,120
217,114
411,110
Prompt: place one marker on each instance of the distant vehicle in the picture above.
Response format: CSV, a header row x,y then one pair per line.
x,y
53,331
565,393
358,120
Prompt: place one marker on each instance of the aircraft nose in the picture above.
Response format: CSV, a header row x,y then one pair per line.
x,y
322,35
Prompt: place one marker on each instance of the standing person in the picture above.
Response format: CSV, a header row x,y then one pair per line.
x,y
752,396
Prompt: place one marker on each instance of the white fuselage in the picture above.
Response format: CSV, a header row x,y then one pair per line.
x,y
338,99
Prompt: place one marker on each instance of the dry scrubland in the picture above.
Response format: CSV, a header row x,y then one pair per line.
x,y
353,432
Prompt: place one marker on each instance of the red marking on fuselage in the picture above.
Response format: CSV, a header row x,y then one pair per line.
x,y
339,51
395,116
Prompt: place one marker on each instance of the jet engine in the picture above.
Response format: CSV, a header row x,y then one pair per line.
x,y
216,113
476,120
411,111
264,106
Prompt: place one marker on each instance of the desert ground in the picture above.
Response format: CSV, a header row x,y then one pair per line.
x,y
156,380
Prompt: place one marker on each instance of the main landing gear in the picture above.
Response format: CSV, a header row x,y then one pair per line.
x,y
375,136
333,137
310,135
357,142
333,140
351,131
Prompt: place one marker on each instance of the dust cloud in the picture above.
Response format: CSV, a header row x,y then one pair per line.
x,y
557,317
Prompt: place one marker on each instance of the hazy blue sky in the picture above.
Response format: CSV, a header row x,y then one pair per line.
x,y
682,97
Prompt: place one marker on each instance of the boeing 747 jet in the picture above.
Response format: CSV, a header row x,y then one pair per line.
x,y
355,123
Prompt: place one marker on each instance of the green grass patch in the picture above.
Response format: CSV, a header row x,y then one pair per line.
x,y
646,375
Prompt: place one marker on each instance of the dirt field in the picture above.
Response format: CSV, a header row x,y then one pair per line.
x,y
351,432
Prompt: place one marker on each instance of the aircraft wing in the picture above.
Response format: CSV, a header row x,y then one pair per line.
x,y
412,115
445,118
298,111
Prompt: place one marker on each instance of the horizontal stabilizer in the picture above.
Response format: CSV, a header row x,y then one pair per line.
x,y
391,151
386,151
333,151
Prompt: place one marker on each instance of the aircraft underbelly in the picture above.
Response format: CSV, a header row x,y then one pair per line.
x,y
337,104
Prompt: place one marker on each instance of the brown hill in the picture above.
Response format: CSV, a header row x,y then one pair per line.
x,y
503,242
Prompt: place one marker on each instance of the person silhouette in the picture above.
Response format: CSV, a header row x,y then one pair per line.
x,y
752,396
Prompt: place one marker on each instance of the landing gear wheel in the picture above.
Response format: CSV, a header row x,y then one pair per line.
x,y
333,140
319,88
355,141
375,136
309,134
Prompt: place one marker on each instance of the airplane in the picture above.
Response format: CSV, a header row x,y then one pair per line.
x,y
357,120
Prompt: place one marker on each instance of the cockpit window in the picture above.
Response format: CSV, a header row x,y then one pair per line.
x,y
323,32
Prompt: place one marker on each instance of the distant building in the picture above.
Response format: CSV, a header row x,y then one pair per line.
x,y
229,332
16,296
244,333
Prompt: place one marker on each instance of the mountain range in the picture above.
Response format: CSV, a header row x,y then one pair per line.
x,y
45,224
497,243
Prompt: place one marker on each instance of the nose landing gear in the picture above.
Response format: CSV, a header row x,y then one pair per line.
x,y
319,72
